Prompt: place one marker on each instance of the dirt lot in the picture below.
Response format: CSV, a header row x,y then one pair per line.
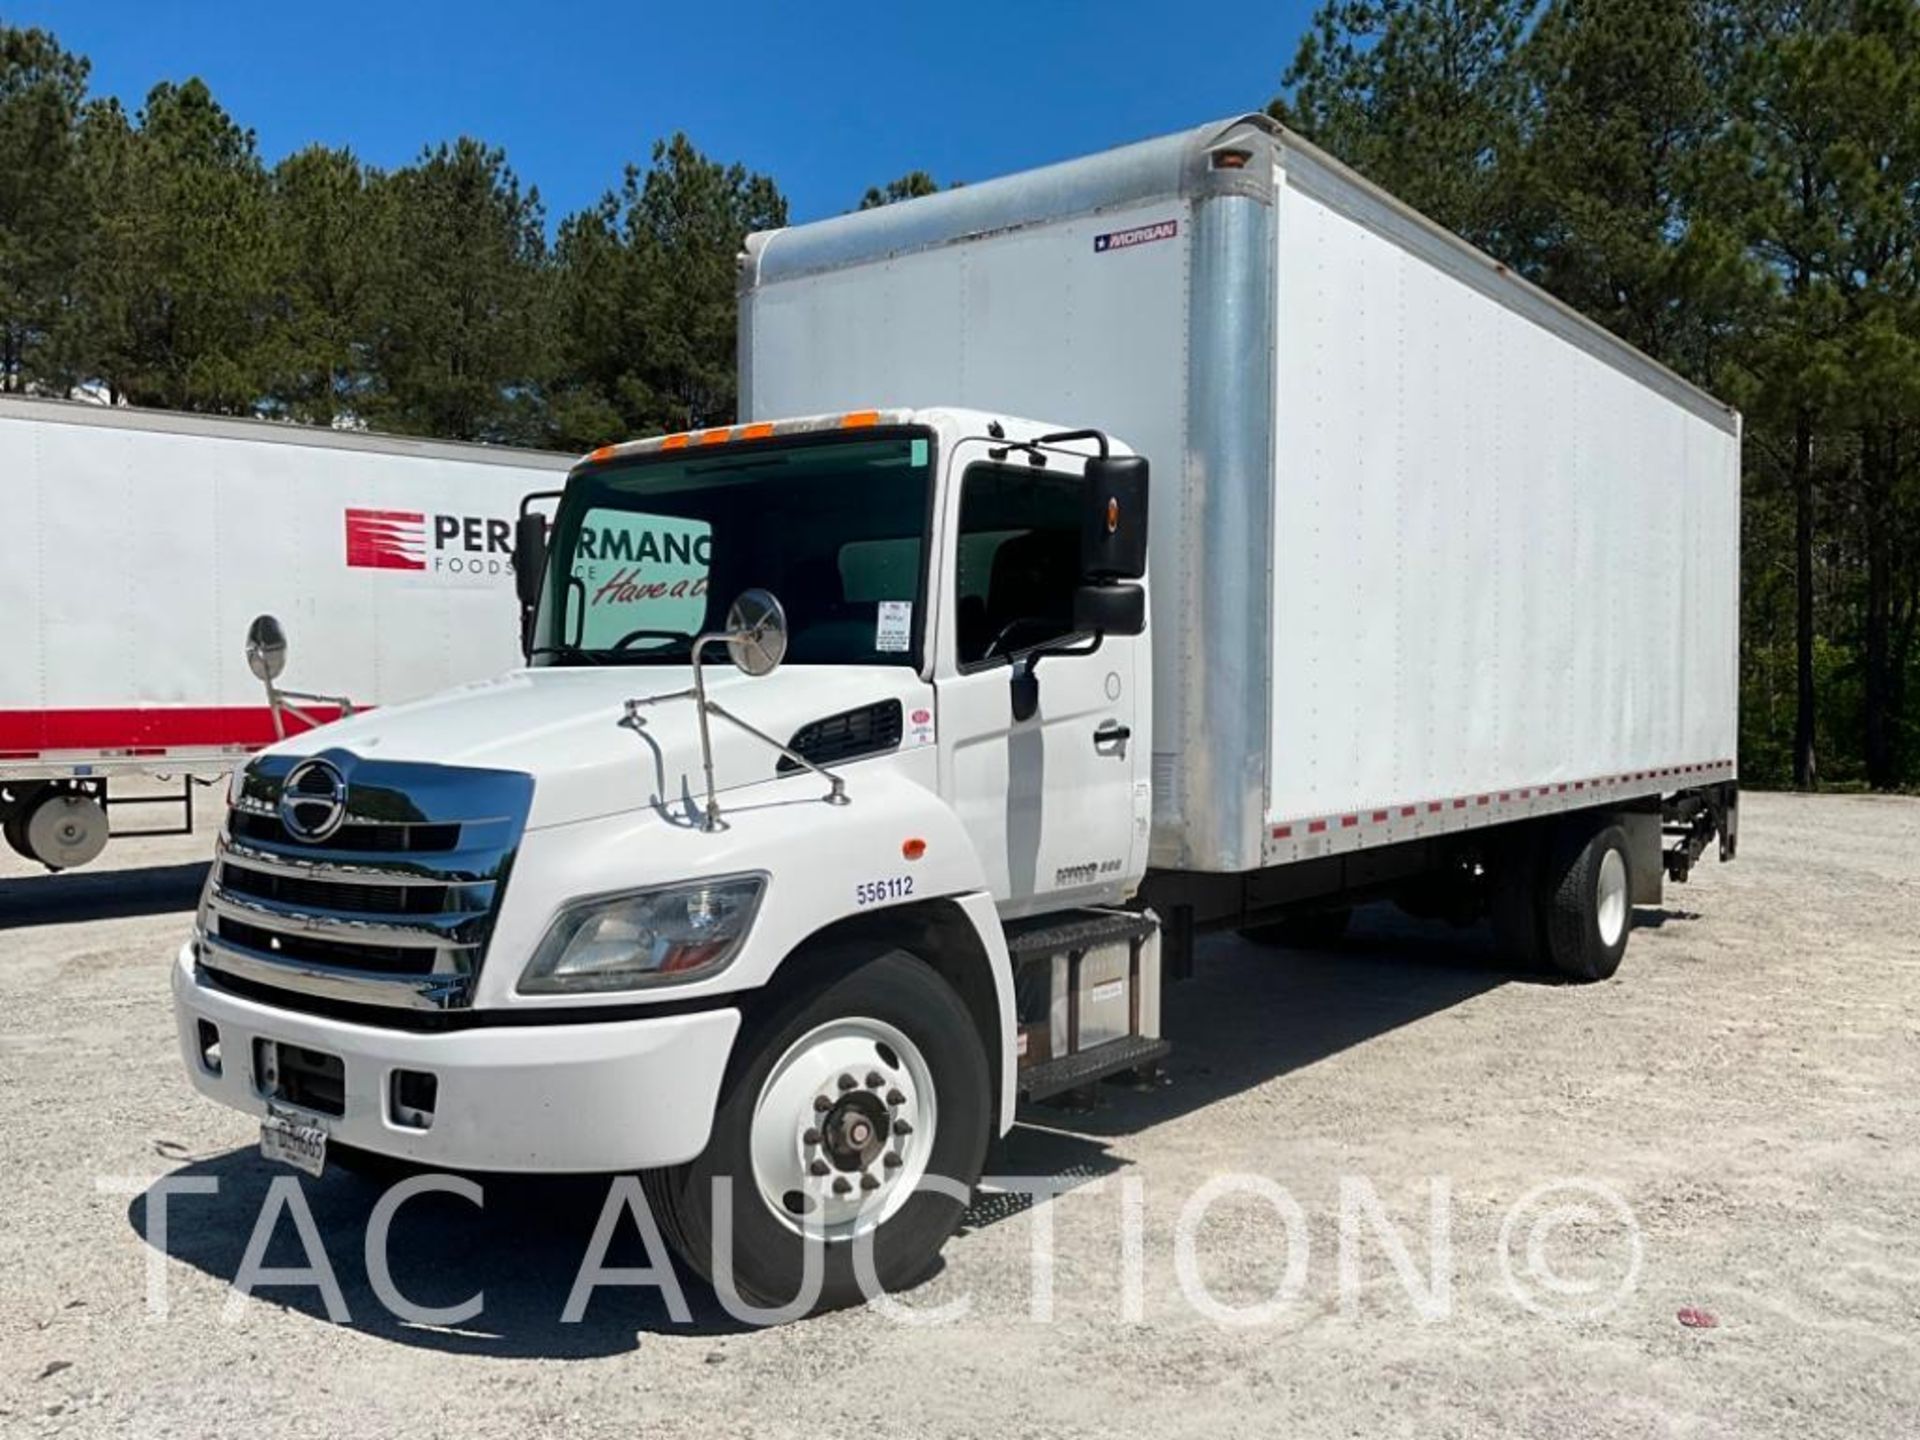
x,y
1746,1088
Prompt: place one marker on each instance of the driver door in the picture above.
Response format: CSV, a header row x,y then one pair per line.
x,y
1050,802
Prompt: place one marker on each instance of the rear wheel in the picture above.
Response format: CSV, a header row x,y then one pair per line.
x,y
1587,909
840,1105
1314,930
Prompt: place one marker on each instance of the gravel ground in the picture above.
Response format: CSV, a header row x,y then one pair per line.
x,y
1746,1088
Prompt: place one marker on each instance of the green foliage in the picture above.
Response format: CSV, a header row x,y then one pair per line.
x,y
910,186
644,296
452,314
42,222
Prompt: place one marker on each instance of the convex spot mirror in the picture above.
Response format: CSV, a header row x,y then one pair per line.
x,y
266,648
1113,529
757,632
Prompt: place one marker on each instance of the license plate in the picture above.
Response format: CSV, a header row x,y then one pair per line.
x,y
290,1142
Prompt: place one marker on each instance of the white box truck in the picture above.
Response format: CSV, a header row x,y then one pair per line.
x,y
139,544
1441,607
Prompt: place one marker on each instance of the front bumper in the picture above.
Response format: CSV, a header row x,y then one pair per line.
x,y
598,1096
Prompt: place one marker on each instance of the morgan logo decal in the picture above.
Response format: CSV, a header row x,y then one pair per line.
x,y
387,539
1139,235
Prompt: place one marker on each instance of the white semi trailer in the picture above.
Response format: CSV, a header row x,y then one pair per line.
x,y
138,544
1441,606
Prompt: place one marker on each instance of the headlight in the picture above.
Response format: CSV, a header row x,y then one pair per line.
x,y
645,937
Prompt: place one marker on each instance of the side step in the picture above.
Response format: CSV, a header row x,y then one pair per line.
x,y
1070,1072
1087,997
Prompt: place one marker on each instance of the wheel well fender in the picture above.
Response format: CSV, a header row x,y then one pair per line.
x,y
939,931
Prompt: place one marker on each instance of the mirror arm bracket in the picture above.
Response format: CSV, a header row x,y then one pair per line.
x,y
837,787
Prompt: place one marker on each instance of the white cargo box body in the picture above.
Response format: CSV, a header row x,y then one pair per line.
x,y
1429,550
139,545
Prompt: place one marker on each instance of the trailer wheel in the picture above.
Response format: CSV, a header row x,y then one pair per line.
x,y
1314,930
1587,909
839,1104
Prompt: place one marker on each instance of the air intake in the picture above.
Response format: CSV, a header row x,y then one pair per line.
x,y
870,730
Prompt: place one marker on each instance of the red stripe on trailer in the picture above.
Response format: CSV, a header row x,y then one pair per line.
x,y
144,730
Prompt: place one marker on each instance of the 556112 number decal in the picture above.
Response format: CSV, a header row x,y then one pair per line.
x,y
878,892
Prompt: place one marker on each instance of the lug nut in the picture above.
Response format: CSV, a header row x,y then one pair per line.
x,y
901,1127
822,1104
818,1167
893,1160
874,1082
894,1097
867,1182
841,1187
812,1137
847,1082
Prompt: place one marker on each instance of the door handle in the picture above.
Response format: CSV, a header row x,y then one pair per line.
x,y
1111,734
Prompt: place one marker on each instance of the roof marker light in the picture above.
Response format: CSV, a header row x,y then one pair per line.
x,y
674,442
859,419
718,436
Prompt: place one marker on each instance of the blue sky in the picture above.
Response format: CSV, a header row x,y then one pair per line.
x,y
828,98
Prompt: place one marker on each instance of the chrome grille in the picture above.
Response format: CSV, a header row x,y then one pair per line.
x,y
395,907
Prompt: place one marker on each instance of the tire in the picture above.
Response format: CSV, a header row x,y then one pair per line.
x,y
15,806
1586,903
1313,930
887,1005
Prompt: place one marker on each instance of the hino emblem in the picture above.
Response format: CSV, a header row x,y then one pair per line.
x,y
313,801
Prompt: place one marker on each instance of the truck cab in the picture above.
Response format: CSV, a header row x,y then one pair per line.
x,y
799,849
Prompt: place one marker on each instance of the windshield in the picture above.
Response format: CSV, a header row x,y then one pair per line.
x,y
648,554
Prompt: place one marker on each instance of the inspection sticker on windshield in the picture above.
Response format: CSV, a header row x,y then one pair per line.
x,y
894,629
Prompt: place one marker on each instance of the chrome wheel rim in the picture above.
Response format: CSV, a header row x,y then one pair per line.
x,y
1611,898
843,1128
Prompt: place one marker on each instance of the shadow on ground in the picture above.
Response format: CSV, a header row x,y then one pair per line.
x,y
83,896
1249,1015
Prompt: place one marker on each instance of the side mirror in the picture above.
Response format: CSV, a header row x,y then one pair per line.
x,y
1113,527
529,558
266,648
757,632
1116,609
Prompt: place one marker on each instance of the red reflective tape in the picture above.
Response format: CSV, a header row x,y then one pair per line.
x,y
1314,827
1505,795
1378,816
1433,807
1460,804
1409,809
1481,799
1347,822
145,729
1282,832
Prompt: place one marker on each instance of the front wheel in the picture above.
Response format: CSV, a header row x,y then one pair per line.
x,y
839,1106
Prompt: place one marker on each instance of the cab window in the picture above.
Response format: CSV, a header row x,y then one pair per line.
x,y
1018,560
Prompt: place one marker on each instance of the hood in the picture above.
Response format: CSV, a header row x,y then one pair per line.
x,y
565,727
